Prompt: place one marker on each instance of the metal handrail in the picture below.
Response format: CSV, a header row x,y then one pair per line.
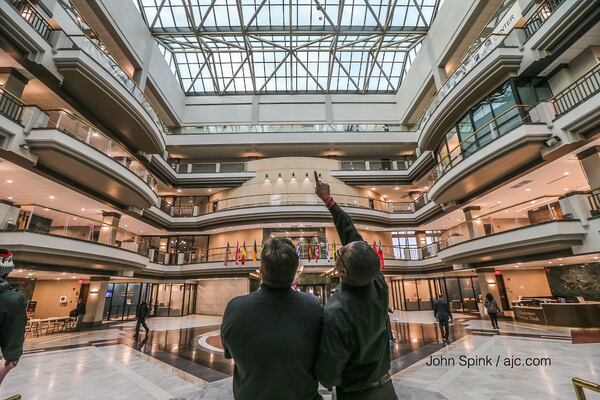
x,y
33,17
143,173
576,93
580,384
540,16
400,207
10,105
441,169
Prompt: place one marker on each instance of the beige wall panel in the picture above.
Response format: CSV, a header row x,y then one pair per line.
x,y
214,294
48,293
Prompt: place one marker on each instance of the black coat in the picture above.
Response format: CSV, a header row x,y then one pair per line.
x,y
441,309
13,319
273,336
354,350
142,311
80,309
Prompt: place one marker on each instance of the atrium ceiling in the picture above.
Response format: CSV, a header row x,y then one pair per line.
x,y
223,47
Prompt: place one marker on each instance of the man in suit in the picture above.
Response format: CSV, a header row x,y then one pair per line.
x,y
354,353
273,333
142,314
441,311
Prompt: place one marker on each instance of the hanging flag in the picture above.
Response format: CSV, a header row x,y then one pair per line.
x,y
380,254
237,253
334,252
309,251
255,254
327,254
298,248
374,246
244,253
317,252
226,255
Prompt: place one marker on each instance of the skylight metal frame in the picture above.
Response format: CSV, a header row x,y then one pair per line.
x,y
249,47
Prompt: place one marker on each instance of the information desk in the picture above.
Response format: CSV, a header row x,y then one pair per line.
x,y
578,315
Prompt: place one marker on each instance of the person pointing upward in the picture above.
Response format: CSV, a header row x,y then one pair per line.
x,y
354,353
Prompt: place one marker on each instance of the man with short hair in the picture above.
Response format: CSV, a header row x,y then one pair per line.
x,y
442,312
354,353
142,313
273,333
13,318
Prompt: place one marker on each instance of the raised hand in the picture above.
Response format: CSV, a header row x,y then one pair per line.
x,y
321,188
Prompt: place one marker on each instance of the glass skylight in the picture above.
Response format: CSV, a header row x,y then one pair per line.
x,y
292,46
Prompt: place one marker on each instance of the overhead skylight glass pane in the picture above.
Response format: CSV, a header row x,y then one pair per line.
x,y
282,46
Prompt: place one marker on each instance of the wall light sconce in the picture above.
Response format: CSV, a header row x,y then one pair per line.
x,y
94,291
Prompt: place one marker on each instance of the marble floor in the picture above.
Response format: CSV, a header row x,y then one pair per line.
x,y
174,362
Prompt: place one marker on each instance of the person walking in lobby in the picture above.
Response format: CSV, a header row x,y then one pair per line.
x,y
142,314
273,333
442,312
354,353
13,319
79,313
492,309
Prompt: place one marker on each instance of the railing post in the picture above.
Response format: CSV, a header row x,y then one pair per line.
x,y
218,167
395,165
367,165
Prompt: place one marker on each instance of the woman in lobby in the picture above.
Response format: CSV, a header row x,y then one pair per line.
x,y
492,310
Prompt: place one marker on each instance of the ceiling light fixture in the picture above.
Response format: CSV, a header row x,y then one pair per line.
x,y
51,197
9,181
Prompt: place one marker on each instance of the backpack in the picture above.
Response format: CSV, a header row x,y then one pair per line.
x,y
492,307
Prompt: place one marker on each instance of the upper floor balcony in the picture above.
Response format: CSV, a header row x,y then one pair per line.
x,y
286,207
188,173
576,108
96,80
268,141
26,26
46,236
77,151
492,60
535,227
396,171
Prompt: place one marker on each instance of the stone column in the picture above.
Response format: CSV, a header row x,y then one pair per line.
x,y
15,82
110,227
590,163
474,225
95,303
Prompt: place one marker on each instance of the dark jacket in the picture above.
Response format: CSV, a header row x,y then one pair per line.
x,y
273,336
441,309
13,319
354,350
80,309
142,311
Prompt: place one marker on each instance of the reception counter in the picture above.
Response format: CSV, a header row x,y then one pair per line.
x,y
578,315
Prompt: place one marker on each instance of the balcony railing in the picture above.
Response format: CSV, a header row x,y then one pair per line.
x,y
10,106
376,165
325,251
290,199
594,200
78,129
540,15
188,167
473,58
33,17
579,91
496,128
101,56
528,213
49,221
287,128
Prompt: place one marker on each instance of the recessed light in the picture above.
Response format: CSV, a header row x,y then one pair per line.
x,y
209,190
51,197
9,181
528,190
549,262
82,209
396,188
566,173
178,190
595,257
565,189
498,202
373,188
9,198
